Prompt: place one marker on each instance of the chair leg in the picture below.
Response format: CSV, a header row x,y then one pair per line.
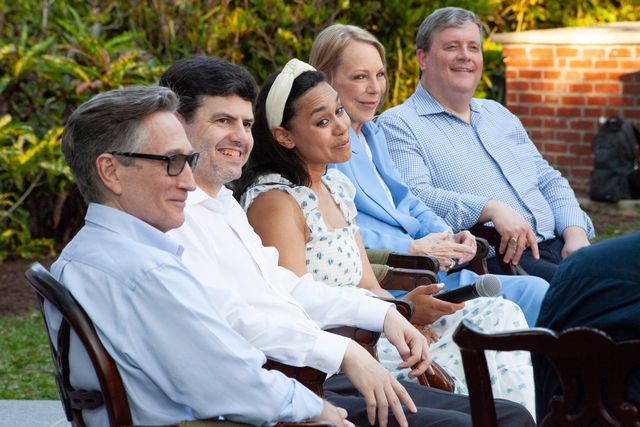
x,y
483,411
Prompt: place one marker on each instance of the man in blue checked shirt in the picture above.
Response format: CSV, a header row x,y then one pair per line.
x,y
471,160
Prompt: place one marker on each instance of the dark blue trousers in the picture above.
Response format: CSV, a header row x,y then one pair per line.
x,y
597,286
545,267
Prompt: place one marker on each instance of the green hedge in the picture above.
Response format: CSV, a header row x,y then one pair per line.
x,y
54,55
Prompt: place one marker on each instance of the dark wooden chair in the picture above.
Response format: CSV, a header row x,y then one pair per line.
x,y
406,279
112,394
593,371
413,262
491,235
407,272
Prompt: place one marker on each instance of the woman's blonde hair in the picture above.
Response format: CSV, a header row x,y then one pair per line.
x,y
330,43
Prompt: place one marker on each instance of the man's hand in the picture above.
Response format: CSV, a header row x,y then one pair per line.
x,y
428,308
379,388
515,232
574,238
410,343
439,245
334,415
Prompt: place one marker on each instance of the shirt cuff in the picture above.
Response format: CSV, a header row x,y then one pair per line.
x,y
303,404
574,217
371,314
403,245
328,352
473,206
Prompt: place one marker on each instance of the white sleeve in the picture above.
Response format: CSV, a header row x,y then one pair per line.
x,y
336,306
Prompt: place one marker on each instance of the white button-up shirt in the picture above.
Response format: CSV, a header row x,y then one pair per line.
x,y
278,312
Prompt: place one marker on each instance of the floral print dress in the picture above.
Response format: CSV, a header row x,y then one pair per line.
x,y
332,257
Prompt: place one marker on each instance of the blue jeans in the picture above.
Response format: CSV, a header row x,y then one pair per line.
x,y
544,267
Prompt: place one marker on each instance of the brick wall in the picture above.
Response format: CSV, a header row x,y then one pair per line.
x,y
561,82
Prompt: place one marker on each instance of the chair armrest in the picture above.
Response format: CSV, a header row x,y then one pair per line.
x,y
405,279
416,262
367,339
478,264
493,238
311,378
404,307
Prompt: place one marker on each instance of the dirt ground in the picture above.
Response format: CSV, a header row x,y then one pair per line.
x,y
17,298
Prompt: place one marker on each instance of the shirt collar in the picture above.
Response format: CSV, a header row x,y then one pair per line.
x,y
219,203
427,104
355,141
134,228
369,129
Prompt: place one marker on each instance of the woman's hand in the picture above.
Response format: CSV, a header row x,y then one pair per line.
x,y
427,308
465,237
444,248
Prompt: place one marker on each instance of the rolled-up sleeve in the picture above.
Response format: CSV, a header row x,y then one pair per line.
x,y
331,307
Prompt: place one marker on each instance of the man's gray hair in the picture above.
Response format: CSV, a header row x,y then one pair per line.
x,y
441,19
108,122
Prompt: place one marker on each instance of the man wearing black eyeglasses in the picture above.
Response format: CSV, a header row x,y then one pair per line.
x,y
175,162
177,356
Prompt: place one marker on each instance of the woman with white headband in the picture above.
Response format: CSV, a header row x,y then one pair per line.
x,y
298,205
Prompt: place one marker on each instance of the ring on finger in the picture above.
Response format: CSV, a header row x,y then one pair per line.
x,y
513,241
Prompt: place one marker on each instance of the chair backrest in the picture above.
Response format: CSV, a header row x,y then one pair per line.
x,y
592,368
112,394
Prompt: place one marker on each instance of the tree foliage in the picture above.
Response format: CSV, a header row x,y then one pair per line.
x,y
56,54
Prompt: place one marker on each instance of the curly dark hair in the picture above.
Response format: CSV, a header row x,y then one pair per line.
x,y
268,156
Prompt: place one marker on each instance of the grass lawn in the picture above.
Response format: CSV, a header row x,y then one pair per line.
x,y
613,230
26,368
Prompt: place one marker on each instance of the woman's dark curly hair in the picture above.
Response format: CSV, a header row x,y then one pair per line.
x,y
268,156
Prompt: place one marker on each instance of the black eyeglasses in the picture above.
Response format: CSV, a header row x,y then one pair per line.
x,y
175,162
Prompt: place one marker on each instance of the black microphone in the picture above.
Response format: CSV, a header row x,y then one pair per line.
x,y
486,286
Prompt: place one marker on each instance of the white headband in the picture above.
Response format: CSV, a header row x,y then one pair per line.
x,y
280,90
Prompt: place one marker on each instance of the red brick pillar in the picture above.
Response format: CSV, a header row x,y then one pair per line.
x,y
561,82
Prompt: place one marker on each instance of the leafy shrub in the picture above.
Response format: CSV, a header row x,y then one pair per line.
x,y
55,55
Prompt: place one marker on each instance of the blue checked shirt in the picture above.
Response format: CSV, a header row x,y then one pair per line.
x,y
456,167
